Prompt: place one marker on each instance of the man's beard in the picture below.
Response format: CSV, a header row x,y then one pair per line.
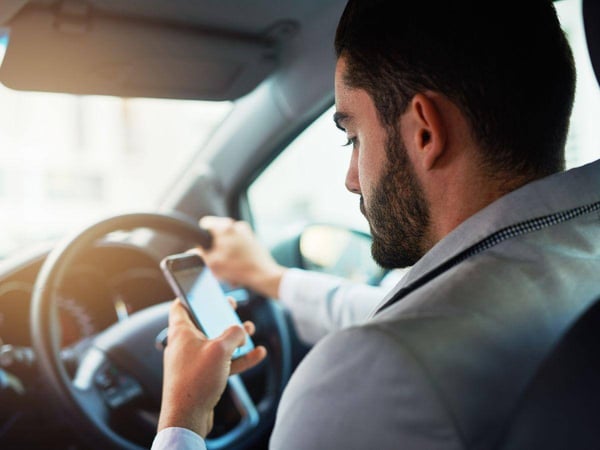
x,y
397,212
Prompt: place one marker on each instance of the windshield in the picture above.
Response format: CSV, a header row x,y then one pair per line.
x,y
68,160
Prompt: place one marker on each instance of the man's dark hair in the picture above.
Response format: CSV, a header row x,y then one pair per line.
x,y
507,65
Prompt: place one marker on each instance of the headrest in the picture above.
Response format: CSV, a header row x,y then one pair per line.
x,y
591,21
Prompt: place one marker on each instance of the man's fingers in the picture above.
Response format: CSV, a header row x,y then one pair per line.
x,y
232,338
235,337
178,314
232,302
249,360
180,322
216,223
249,327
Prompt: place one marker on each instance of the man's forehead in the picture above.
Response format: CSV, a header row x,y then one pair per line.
x,y
350,105
341,70
343,95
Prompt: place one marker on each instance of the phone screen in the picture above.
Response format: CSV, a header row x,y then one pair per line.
x,y
201,291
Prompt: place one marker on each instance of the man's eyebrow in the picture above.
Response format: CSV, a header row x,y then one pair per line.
x,y
339,118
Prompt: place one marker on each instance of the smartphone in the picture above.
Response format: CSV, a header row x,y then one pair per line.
x,y
203,296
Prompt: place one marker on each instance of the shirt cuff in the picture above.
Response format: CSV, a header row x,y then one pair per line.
x,y
179,438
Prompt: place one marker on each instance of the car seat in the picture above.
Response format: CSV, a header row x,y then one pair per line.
x,y
560,409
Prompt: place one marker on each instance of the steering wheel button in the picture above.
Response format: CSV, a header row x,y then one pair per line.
x,y
133,391
111,391
103,381
116,401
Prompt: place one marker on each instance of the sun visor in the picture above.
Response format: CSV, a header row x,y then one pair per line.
x,y
82,53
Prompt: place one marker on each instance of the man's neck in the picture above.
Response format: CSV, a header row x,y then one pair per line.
x,y
462,196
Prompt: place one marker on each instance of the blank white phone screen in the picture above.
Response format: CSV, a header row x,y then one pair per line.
x,y
209,304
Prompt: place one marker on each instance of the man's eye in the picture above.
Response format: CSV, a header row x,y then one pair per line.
x,y
350,142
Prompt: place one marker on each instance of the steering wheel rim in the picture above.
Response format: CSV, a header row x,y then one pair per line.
x,y
82,403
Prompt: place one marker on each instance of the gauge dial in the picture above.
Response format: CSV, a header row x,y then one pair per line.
x,y
76,322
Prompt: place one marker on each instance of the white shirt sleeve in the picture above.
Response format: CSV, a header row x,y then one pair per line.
x,y
177,438
321,303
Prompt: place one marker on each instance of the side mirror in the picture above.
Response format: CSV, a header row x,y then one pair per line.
x,y
339,251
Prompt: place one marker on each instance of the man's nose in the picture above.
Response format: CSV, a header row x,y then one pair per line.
x,y
352,183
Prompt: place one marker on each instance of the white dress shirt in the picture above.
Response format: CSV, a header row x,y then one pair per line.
x,y
321,303
178,438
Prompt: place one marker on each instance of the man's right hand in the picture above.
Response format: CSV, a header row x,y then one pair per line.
x,y
238,258
196,370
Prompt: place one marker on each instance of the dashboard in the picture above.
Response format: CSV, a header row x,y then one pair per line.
x,y
107,283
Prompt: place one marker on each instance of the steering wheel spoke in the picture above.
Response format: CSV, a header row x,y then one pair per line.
x,y
85,389
99,380
245,406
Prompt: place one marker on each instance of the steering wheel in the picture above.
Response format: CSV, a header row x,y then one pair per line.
x,y
121,366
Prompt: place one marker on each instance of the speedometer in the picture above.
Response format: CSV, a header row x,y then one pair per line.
x,y
76,322
15,297
15,303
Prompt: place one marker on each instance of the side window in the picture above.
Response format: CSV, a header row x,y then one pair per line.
x,y
305,185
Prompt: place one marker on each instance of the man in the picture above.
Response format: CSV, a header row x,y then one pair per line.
x,y
457,113
332,303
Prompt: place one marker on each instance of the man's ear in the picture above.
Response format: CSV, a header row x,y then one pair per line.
x,y
429,133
